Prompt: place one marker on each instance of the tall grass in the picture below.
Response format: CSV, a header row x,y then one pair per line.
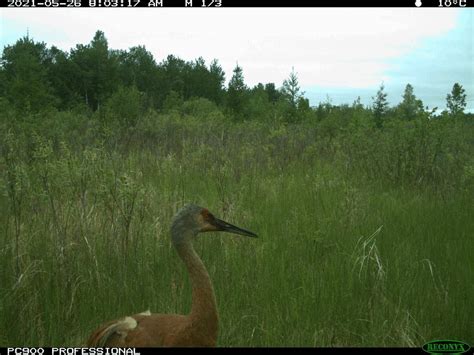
x,y
348,254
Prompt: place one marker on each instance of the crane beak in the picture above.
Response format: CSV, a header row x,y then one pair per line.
x,y
227,227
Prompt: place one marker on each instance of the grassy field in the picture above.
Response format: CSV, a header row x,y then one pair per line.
x,y
346,256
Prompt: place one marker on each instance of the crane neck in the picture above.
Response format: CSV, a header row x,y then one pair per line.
x,y
204,309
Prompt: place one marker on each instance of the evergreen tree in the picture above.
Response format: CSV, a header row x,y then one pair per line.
x,y
292,94
237,92
380,106
291,89
456,100
411,106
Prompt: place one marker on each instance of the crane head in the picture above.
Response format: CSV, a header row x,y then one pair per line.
x,y
193,219
212,224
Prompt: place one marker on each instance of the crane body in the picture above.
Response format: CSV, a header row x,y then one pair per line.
x,y
200,326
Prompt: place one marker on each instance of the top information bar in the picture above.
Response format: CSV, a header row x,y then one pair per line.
x,y
233,3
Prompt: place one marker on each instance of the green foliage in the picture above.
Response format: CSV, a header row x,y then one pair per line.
x,y
202,108
292,95
63,80
369,220
380,106
95,72
456,100
35,78
137,68
125,106
237,93
259,106
203,82
216,82
272,92
411,106
173,101
417,153
25,73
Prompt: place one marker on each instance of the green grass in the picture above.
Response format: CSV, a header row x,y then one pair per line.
x,y
341,260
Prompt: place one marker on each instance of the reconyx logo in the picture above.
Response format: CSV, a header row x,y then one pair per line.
x,y
446,347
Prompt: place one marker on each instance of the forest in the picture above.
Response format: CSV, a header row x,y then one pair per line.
x,y
364,212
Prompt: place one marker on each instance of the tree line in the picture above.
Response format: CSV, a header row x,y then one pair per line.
x,y
34,77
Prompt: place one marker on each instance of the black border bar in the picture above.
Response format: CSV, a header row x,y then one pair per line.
x,y
233,3
237,350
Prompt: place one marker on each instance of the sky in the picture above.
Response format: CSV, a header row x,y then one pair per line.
x,y
337,53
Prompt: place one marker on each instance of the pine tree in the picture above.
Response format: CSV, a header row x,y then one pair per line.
x,y
237,92
411,105
291,89
293,96
380,106
456,100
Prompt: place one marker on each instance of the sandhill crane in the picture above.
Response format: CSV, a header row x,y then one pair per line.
x,y
199,328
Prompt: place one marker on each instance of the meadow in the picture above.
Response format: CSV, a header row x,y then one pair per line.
x,y
365,235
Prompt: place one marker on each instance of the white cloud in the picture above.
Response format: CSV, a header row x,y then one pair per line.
x,y
348,47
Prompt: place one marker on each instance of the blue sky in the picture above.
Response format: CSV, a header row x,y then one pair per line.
x,y
337,53
431,67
